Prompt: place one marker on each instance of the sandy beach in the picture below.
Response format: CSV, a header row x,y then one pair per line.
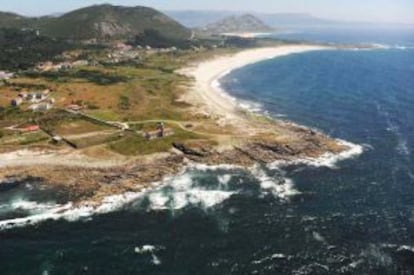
x,y
207,92
250,142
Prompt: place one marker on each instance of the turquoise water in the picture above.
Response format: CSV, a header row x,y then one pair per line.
x,y
356,217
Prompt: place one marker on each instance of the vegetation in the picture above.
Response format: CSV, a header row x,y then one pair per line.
x,y
100,22
148,90
155,38
138,145
22,49
232,24
94,140
123,102
17,139
95,76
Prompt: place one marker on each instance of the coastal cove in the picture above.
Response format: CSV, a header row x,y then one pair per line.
x,y
271,197
207,97
206,137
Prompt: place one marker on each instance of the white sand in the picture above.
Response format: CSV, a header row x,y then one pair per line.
x,y
207,93
246,34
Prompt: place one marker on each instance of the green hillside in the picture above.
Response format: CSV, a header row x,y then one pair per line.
x,y
101,22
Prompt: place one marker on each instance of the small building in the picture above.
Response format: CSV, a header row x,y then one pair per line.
x,y
16,101
41,107
57,139
22,95
40,96
5,75
31,128
123,47
159,133
64,66
80,63
44,66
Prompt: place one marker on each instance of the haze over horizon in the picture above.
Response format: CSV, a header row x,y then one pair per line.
x,y
381,11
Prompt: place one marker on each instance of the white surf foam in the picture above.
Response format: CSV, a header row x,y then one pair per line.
x,y
250,106
149,249
276,256
205,167
406,247
326,160
68,211
182,191
391,47
282,188
224,179
144,249
173,193
31,206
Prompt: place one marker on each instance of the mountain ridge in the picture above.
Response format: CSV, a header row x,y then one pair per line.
x,y
237,24
101,22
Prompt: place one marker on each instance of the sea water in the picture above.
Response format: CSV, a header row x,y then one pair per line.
x,y
353,217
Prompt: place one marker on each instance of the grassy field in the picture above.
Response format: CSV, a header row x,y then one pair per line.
x,y
138,145
24,139
136,92
95,140
77,126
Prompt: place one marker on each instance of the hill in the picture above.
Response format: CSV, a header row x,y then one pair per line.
x,y
22,49
199,18
10,19
237,24
101,22
301,21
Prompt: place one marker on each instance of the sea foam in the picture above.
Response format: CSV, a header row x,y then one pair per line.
x,y
183,191
282,187
68,211
175,192
328,159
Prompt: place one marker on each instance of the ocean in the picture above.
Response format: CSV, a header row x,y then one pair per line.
x,y
353,216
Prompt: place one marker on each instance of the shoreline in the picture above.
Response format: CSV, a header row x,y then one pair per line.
x,y
272,143
207,74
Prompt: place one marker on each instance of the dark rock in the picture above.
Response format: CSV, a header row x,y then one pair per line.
x,y
189,151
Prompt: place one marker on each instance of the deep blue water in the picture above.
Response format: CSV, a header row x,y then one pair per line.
x,y
357,218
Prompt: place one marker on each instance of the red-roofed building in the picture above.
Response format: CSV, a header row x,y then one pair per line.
x,y
31,128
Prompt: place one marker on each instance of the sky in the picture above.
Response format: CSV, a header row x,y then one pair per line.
x,y
396,11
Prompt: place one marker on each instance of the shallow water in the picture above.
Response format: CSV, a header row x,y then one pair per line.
x,y
356,217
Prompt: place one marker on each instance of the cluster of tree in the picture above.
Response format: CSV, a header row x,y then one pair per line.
x,y
94,76
22,49
155,39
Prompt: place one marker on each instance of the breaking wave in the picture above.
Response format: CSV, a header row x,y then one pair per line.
x,y
280,187
329,160
183,191
150,250
391,47
68,211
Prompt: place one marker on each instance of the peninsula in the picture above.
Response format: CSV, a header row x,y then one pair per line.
x,y
95,122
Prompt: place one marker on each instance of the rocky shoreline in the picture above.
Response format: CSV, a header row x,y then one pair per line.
x,y
253,140
94,184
